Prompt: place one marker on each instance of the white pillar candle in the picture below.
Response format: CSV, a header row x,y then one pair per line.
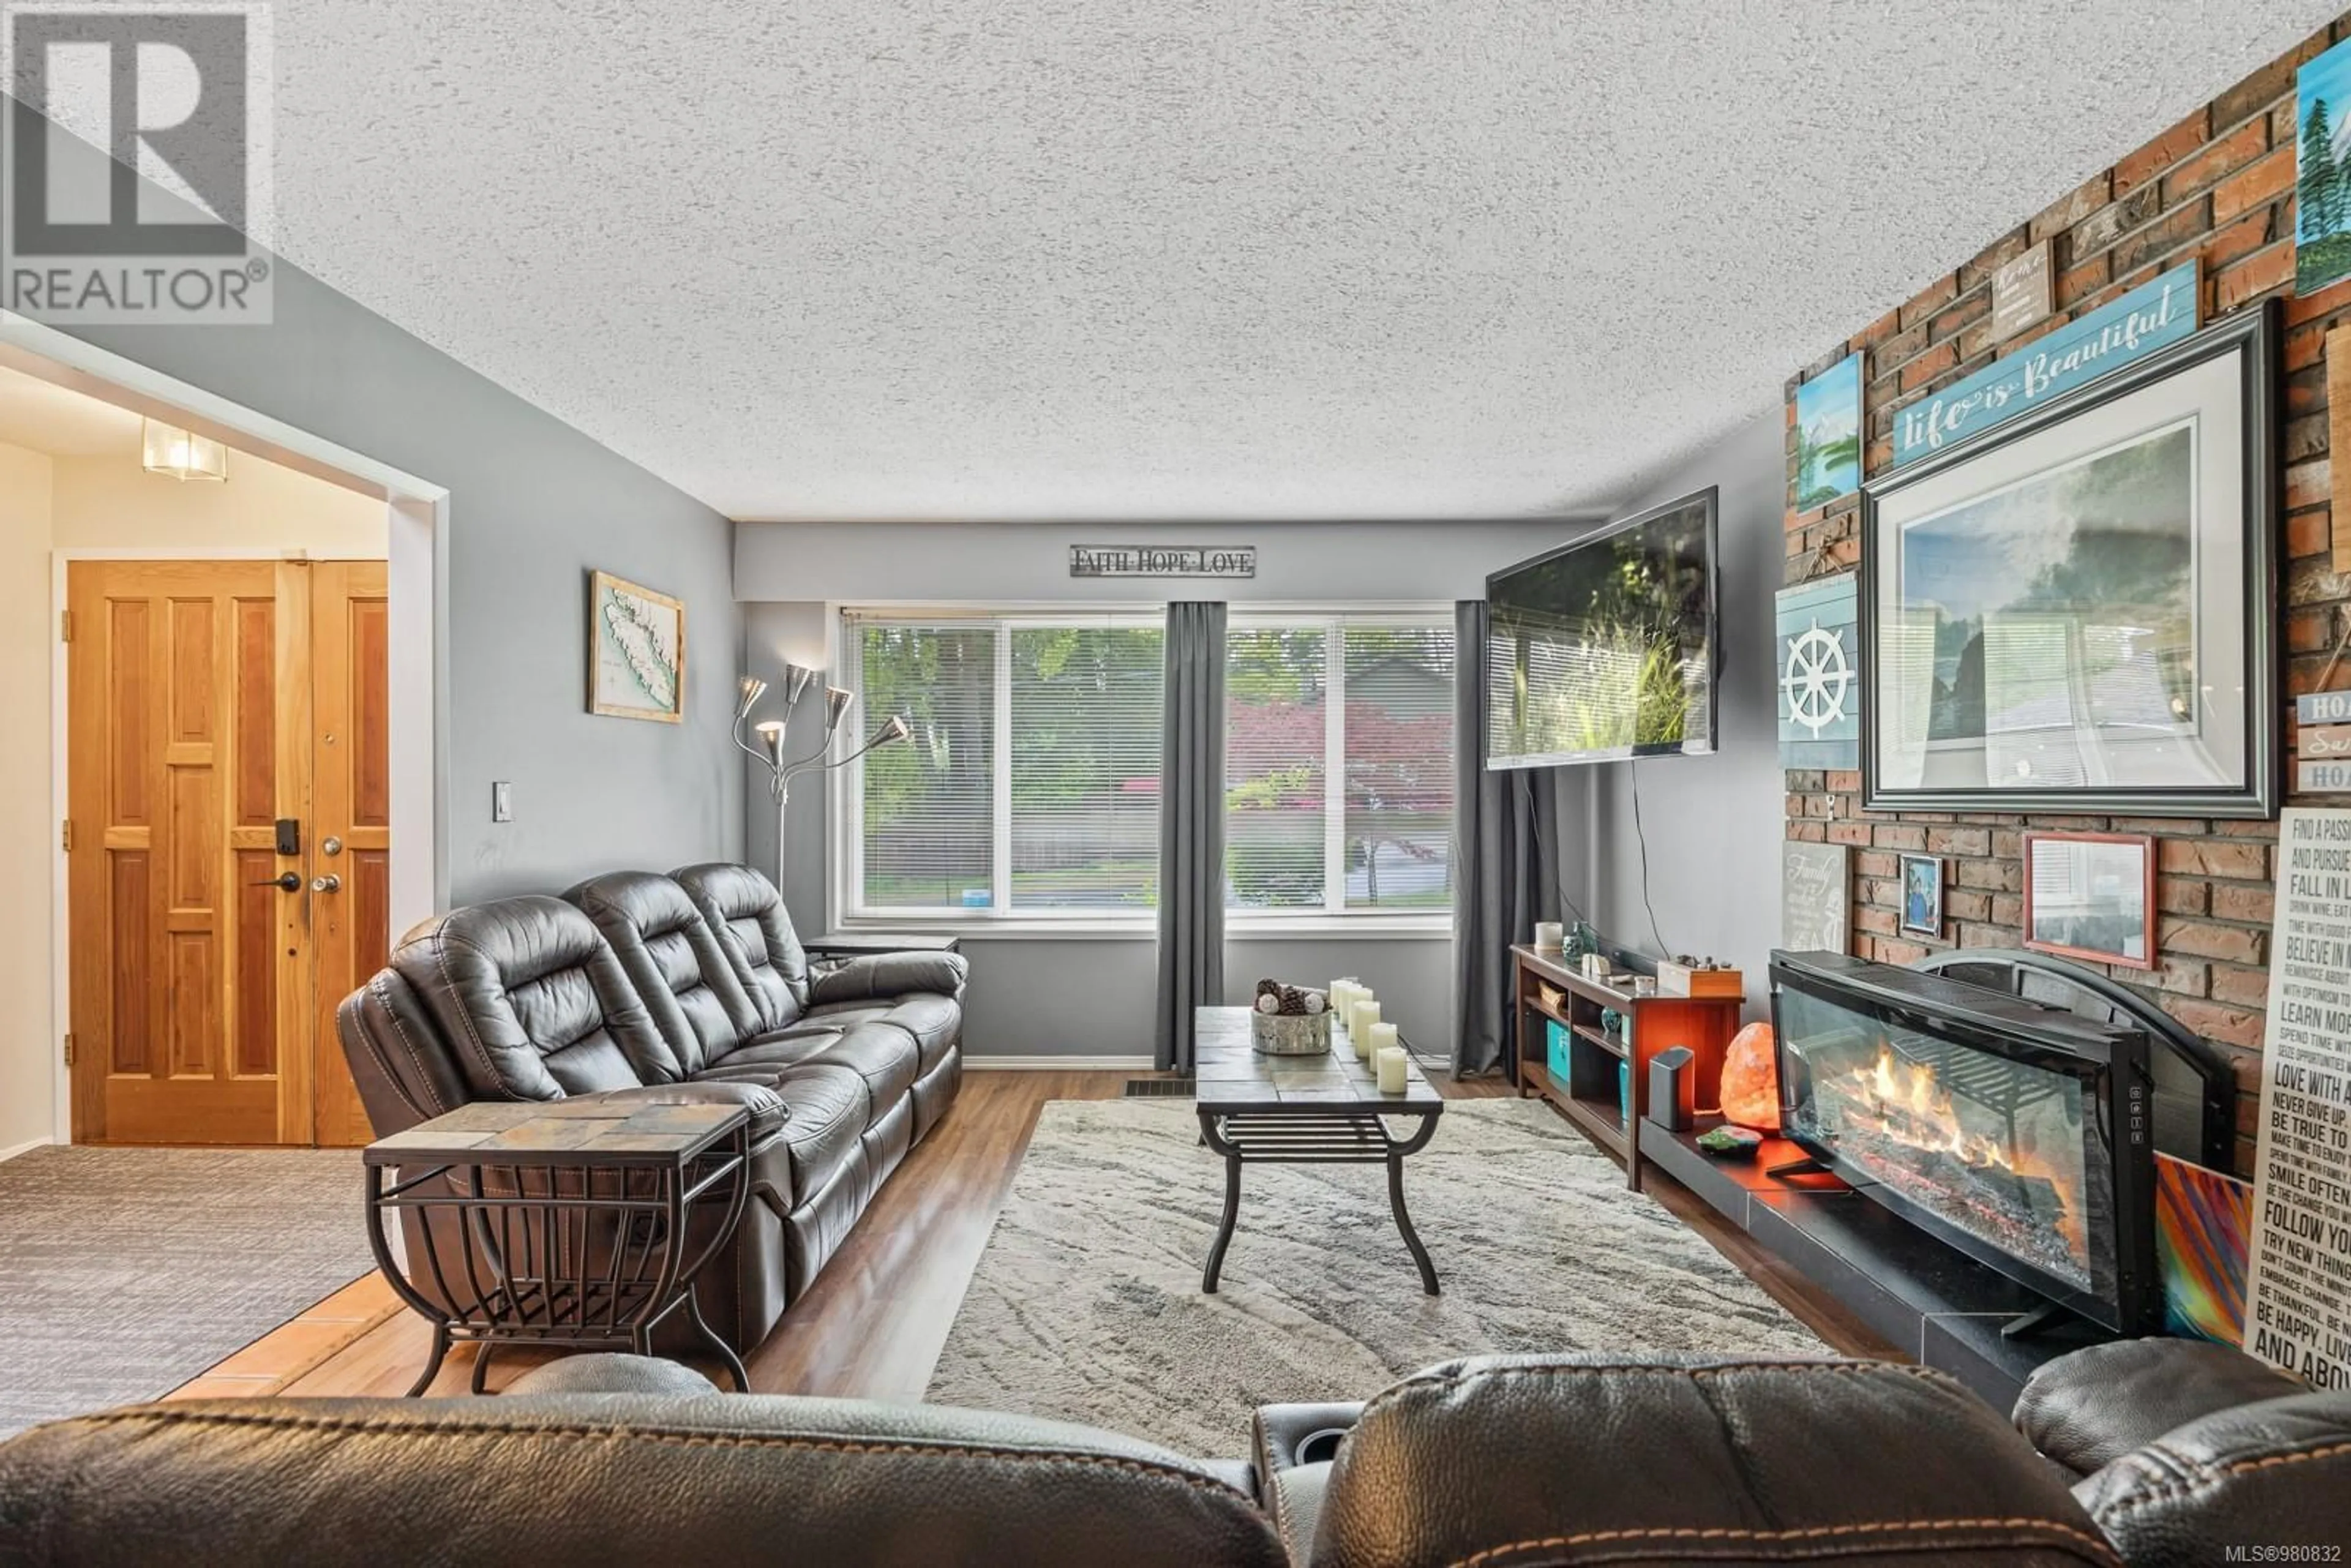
x,y
1392,1060
1384,1035
1360,1020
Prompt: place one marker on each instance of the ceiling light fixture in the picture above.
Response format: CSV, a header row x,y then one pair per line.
x,y
180,454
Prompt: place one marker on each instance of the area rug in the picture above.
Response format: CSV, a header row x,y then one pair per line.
x,y
124,1272
1086,1305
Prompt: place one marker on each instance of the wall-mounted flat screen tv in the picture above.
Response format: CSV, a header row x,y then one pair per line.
x,y
1605,648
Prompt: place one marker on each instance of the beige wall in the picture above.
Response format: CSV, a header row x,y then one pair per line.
x,y
110,503
27,1040
105,503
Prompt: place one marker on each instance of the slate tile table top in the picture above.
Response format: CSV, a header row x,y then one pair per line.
x,y
1261,1109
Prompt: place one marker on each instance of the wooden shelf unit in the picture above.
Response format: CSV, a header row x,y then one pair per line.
x,y
1590,1098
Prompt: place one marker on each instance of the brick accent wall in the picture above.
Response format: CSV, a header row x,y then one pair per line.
x,y
2217,186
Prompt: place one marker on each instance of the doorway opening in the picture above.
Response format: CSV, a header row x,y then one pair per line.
x,y
239,796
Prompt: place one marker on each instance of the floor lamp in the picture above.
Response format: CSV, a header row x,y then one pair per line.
x,y
769,752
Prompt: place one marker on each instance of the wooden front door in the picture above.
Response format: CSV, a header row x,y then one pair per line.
x,y
350,914
197,756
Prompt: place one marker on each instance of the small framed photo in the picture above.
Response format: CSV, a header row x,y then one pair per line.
x,y
636,651
1922,896
2091,895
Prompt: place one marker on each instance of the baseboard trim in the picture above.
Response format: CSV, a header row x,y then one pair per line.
x,y
1056,1063
26,1147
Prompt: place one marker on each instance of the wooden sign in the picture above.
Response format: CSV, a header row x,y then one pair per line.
x,y
1819,674
2149,318
2322,707
1815,898
2297,1309
2338,444
1163,560
2322,777
2323,740
2023,294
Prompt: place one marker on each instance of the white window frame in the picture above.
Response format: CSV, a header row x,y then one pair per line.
x,y
1334,917
845,812
845,798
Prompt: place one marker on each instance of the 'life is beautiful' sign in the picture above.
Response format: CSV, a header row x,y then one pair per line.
x,y
2146,319
1163,560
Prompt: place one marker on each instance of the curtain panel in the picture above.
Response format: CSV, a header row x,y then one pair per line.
x,y
1505,870
1191,828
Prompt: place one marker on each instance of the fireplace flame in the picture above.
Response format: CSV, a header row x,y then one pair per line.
x,y
1909,1106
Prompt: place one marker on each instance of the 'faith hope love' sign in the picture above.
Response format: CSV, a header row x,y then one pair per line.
x,y
1163,560
2146,319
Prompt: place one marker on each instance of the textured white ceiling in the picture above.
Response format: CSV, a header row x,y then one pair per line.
x,y
62,423
1189,258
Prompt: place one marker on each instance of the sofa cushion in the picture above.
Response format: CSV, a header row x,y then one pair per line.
x,y
756,933
671,955
533,1001
2089,1407
828,1108
934,1021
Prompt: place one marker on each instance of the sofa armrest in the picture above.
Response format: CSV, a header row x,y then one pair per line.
x,y
2089,1408
890,975
766,1108
2275,1473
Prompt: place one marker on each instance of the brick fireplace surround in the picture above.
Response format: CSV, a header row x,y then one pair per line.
x,y
2217,186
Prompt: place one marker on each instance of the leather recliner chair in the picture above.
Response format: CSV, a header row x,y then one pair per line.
x,y
1500,1462
636,989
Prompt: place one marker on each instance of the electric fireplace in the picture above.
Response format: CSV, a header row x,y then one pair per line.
x,y
2021,1136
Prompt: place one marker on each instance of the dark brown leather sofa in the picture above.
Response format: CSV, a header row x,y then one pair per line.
x,y
1494,1462
689,986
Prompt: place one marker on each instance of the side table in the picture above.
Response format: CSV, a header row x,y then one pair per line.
x,y
557,1223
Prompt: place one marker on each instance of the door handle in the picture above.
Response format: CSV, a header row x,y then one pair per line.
x,y
285,881
330,883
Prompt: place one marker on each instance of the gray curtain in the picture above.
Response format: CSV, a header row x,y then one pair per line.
x,y
1505,870
1191,828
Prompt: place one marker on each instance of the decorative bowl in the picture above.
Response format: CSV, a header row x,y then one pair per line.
x,y
1290,1034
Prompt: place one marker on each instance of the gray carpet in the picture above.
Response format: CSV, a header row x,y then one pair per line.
x,y
1086,1305
124,1272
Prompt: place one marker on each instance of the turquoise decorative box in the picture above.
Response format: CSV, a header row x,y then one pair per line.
x,y
1555,1039
1625,1092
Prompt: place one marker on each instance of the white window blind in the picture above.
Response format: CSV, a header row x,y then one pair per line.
x,y
1031,786
1339,764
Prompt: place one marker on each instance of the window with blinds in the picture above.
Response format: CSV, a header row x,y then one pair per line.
x,y
1031,784
1339,764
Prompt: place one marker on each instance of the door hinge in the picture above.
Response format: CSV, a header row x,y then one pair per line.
x,y
69,1048
65,835
65,625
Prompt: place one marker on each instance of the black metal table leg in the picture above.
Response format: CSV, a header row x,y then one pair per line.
x,y
481,1364
432,1362
1403,1223
710,1336
1224,1227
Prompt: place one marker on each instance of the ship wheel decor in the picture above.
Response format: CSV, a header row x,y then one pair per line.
x,y
1817,679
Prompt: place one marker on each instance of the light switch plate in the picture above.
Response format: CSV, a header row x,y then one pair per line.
x,y
501,800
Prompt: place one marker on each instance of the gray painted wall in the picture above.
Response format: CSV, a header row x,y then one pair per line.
x,y
1713,824
534,504
1091,996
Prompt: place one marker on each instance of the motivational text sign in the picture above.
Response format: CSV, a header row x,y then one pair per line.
x,y
2298,1290
1163,560
2145,320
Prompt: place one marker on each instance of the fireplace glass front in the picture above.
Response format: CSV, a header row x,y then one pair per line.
x,y
1996,1147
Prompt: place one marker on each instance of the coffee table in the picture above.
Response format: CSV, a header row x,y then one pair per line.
x,y
1320,1110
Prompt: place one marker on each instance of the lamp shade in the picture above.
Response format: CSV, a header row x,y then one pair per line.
x,y
180,453
798,679
771,735
836,706
748,690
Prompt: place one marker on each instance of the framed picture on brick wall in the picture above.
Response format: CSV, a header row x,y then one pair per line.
x,y
2075,611
2091,895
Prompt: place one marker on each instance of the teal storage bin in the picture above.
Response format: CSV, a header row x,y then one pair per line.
x,y
1555,1039
1624,1092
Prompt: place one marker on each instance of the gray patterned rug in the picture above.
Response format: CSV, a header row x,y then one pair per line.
x,y
1086,1305
124,1272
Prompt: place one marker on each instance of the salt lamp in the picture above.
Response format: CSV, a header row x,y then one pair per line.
x,y
1751,1079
